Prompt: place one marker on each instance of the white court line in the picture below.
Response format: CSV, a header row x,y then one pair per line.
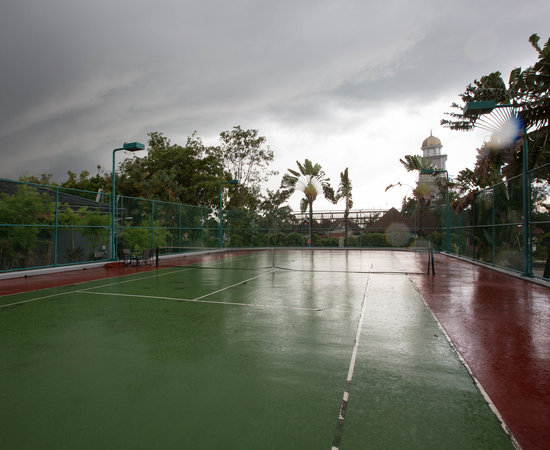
x,y
343,405
189,300
212,263
38,298
34,299
466,366
358,334
236,284
85,290
139,279
199,299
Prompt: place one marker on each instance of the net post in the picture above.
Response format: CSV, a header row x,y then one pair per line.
x,y
431,260
156,257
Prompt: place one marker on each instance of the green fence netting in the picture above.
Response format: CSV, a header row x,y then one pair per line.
x,y
44,226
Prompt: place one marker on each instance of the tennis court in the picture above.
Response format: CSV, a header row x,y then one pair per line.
x,y
242,350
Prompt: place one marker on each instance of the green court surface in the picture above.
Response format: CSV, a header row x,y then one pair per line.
x,y
238,355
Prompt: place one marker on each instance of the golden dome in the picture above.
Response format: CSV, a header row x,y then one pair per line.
x,y
431,141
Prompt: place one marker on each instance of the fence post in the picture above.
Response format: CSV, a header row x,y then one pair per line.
x,y
56,228
275,230
493,244
153,224
179,226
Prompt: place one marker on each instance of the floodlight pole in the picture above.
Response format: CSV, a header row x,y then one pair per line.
x,y
447,207
526,207
220,226
485,107
130,147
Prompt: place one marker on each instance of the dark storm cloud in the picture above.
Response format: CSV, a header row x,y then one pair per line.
x,y
78,78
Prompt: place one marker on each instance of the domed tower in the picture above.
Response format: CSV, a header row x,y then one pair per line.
x,y
431,152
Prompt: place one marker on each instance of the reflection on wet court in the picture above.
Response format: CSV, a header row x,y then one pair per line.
x,y
294,350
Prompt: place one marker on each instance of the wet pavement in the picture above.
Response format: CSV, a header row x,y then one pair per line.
x,y
500,324
408,389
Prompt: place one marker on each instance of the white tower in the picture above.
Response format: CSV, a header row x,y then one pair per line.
x,y
431,151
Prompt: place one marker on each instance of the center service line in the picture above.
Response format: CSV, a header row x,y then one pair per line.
x,y
344,404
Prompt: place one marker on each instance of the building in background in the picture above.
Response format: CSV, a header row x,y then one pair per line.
x,y
431,152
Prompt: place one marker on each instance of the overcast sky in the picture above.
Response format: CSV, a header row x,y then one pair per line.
x,y
344,83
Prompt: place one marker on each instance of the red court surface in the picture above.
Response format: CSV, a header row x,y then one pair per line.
x,y
22,283
500,325
55,279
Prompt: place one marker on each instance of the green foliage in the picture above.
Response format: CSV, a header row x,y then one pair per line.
x,y
294,240
138,239
326,242
191,174
435,239
488,87
45,179
76,254
92,225
244,156
187,174
27,211
528,93
310,180
374,240
84,182
344,192
96,227
398,238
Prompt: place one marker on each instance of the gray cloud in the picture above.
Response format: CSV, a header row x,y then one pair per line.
x,y
79,78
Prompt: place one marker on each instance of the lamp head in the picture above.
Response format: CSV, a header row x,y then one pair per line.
x,y
477,108
133,146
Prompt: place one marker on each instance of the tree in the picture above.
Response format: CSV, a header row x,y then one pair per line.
x,y
190,174
423,192
86,183
527,94
244,156
274,216
311,180
26,211
344,192
45,178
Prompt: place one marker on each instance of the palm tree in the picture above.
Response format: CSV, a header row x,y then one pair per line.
x,y
311,180
423,191
344,192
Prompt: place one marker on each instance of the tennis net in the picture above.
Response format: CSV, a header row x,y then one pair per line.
x,y
416,260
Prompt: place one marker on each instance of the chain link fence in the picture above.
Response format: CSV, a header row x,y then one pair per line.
x,y
44,226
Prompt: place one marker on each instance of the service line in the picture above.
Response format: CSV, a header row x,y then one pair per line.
x,y
34,299
190,300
